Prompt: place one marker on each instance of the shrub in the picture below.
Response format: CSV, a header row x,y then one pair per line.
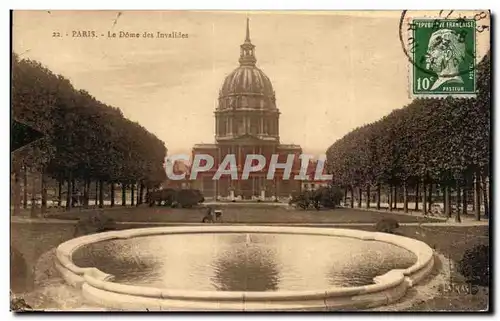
x,y
168,196
105,224
94,224
175,198
387,225
188,197
328,197
302,200
198,193
474,265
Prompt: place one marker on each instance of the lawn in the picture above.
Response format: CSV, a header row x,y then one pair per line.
x,y
240,214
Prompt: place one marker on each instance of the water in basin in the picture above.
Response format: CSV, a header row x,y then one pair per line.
x,y
243,261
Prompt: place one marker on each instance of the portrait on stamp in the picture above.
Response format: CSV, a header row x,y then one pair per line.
x,y
445,54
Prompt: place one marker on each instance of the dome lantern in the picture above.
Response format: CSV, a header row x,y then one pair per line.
x,y
247,51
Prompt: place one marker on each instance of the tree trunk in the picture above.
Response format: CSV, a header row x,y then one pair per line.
x,y
378,196
124,194
345,195
477,197
360,197
74,193
73,186
405,198
368,197
86,188
112,192
132,188
141,193
395,198
443,193
417,196
424,201
431,189
352,197
389,197
457,217
464,199
138,197
101,194
96,193
44,191
17,193
25,187
59,192
485,197
447,202
33,195
69,194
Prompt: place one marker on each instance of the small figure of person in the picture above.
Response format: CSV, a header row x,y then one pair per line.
x,y
218,216
208,218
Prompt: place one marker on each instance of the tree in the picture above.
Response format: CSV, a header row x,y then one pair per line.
x,y
443,142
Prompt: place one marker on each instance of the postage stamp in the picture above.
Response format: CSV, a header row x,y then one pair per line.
x,y
442,50
444,57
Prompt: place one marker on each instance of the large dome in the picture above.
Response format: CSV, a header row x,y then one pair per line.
x,y
247,87
247,80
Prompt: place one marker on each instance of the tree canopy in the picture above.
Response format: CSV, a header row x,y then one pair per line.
x,y
85,138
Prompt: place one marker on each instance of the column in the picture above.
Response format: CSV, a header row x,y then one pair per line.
x,y
261,125
217,125
247,124
230,131
238,162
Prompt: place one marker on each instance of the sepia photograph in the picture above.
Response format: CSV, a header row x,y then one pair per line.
x,y
250,161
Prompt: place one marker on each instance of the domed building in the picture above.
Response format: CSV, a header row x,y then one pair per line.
x,y
247,122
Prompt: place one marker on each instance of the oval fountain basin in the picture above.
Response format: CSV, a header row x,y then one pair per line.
x,y
243,261
243,268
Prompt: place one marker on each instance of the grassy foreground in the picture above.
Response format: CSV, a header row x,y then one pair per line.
x,y
34,239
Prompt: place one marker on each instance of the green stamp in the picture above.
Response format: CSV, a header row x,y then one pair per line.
x,y
443,54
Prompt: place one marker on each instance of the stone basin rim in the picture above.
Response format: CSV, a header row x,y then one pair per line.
x,y
94,277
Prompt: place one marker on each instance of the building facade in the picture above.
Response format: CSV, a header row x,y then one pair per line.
x,y
247,122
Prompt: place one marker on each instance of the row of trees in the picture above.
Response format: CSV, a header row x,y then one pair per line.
x,y
86,140
430,143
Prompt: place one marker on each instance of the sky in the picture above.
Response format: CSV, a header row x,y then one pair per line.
x,y
331,71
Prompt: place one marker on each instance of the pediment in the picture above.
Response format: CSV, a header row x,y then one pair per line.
x,y
247,138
